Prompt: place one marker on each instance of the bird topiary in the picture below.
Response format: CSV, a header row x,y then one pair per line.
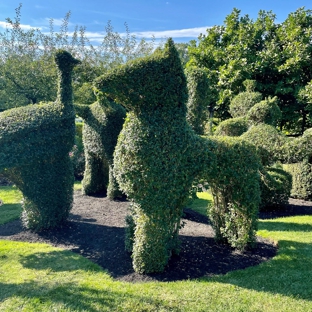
x,y
35,143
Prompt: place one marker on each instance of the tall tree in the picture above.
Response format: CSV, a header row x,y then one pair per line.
x,y
27,71
277,56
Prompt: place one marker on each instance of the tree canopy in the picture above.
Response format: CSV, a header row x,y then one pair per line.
x,y
28,74
277,56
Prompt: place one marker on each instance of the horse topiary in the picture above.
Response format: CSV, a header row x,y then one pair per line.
x,y
158,155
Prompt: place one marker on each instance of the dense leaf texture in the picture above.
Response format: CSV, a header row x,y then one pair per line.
x,y
277,56
35,143
103,121
158,155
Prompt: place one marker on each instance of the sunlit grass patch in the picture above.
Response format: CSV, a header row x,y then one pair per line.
x,y
11,208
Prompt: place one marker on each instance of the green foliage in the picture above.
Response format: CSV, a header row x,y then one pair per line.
x,y
103,121
77,153
153,159
276,186
276,55
266,111
28,74
298,149
270,143
232,127
236,192
302,179
241,103
35,144
198,98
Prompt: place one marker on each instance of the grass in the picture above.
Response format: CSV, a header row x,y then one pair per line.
x,y
11,208
39,277
12,197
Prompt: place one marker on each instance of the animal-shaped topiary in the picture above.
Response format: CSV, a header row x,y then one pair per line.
x,y
103,121
35,143
157,155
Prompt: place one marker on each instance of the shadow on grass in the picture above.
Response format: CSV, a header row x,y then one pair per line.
x,y
289,274
40,297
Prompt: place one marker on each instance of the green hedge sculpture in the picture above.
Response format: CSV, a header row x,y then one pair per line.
x,y
35,143
158,155
103,121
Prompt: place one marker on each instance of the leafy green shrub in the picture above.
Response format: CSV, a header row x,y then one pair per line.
x,y
301,179
35,144
232,127
77,153
298,149
276,186
103,121
157,156
270,143
266,111
198,98
242,102
236,191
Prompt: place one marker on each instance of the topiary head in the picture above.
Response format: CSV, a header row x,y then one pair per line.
x,y
65,61
148,83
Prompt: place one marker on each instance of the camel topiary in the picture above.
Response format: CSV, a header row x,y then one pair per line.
x,y
158,155
35,143
103,121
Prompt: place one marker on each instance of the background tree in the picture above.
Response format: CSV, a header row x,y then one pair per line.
x,y
27,71
276,56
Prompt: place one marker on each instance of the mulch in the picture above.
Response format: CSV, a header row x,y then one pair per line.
x,y
96,230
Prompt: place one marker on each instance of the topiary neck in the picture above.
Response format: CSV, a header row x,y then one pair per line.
x,y
65,90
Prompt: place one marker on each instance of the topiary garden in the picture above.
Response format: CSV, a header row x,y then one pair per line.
x,y
157,158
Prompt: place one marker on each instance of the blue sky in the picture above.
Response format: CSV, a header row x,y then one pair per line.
x,y
181,19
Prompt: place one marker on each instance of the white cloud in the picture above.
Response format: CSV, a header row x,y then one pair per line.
x,y
178,33
23,26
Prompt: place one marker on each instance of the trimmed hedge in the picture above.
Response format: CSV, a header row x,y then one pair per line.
x,y
302,179
276,187
270,143
266,111
103,121
35,143
232,127
157,155
242,102
198,98
236,191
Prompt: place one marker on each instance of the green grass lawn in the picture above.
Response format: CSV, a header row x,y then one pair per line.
x,y
11,208
39,277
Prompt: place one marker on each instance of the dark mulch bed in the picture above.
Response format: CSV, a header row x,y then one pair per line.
x,y
95,230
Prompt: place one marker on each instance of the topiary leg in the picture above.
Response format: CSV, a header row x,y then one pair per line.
x,y
47,187
95,176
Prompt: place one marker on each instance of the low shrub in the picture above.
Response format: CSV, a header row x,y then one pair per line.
x,y
276,187
266,111
301,179
232,127
242,102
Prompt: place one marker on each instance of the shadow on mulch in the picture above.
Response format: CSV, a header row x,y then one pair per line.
x,y
95,230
